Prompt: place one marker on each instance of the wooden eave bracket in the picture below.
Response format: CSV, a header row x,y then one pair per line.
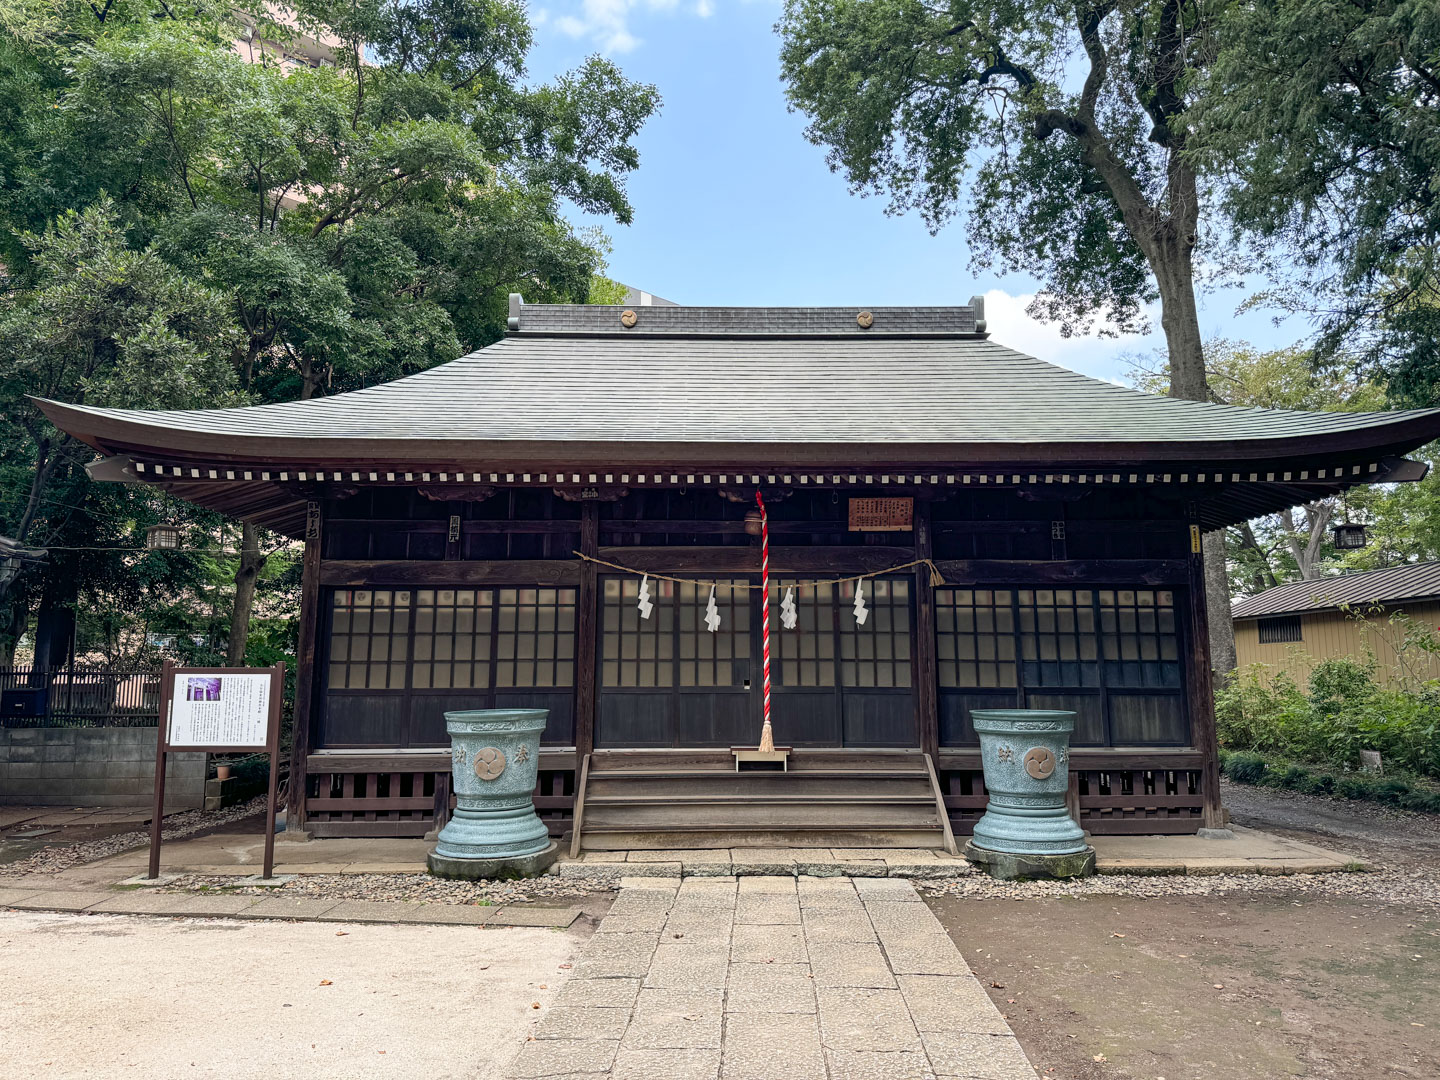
x,y
116,469
1398,470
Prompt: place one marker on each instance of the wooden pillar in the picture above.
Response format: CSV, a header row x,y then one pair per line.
x,y
1200,692
587,625
305,681
926,667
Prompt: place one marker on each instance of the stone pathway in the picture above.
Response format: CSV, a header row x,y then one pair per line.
x,y
763,978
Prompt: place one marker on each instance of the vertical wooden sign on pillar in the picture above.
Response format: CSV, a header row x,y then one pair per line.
x,y
926,664
588,601
1200,683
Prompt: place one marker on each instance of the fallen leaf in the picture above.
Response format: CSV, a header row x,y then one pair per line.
x,y
564,966
1098,1057
1117,935
342,933
544,987
535,1004
1009,1001
998,986
326,982
1219,986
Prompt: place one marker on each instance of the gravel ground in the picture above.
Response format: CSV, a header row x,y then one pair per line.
x,y
1411,886
402,887
54,858
1402,847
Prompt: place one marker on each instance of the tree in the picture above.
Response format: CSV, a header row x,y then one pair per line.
x,y
363,220
1082,178
1287,546
1324,121
102,324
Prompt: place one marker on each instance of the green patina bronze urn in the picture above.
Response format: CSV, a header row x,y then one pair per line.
x,y
1027,830
495,832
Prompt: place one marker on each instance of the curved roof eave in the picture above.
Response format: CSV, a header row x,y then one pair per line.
x,y
131,431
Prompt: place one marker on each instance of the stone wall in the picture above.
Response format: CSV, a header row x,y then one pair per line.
x,y
93,767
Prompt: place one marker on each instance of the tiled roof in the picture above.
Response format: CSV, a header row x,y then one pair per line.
x,y
1412,582
734,376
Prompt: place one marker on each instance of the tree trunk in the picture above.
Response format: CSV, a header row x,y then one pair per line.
x,y
1217,602
55,621
251,563
1180,317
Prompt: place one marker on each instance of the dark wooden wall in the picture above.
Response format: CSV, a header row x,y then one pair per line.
x,y
1027,539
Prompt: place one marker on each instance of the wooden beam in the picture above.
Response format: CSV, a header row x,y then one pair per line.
x,y
365,572
1029,572
1200,689
587,625
306,688
1088,759
710,561
927,712
407,761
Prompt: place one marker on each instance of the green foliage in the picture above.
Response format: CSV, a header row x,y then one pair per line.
x,y
1344,708
1078,177
1402,793
181,228
1325,120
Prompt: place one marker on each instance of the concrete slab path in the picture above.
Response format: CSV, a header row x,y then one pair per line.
x,y
756,978
109,901
1248,851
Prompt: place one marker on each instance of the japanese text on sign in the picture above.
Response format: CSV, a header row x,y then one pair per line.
x,y
219,710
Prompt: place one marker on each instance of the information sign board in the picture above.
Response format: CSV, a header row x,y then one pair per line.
x,y
226,709
218,710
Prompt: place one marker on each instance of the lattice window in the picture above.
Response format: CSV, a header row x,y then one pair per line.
x,y
369,631
535,637
708,659
1142,645
804,656
637,652
452,638
1058,641
975,630
878,653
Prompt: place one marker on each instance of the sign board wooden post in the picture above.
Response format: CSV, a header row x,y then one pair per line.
x,y
218,711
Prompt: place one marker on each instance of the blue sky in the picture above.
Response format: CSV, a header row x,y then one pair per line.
x,y
734,206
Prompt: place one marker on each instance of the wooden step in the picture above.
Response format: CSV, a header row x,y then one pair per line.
x,y
756,815
831,797
733,784
679,840
692,761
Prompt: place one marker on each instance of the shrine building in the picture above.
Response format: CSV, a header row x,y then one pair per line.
x,y
480,535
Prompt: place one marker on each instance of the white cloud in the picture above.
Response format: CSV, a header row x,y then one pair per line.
x,y
1101,357
610,24
704,8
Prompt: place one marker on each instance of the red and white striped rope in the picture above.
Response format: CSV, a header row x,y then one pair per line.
x,y
766,738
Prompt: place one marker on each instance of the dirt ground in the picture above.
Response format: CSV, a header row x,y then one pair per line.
x,y
95,996
1238,986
